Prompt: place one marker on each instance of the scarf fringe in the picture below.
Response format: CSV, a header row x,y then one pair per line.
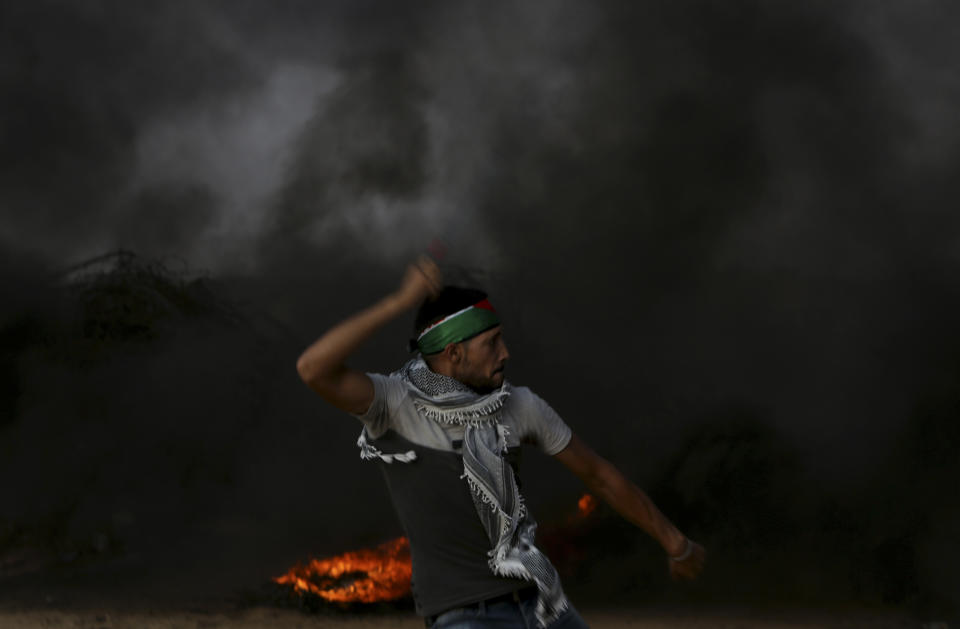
x,y
503,432
368,452
486,498
509,568
482,413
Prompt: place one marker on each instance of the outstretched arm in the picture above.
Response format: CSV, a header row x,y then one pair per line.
x,y
323,365
632,503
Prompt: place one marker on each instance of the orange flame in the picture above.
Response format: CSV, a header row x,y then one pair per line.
x,y
369,575
586,505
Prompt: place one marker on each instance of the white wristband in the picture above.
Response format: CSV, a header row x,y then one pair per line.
x,y
685,554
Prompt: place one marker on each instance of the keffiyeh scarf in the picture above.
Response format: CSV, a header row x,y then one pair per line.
x,y
490,477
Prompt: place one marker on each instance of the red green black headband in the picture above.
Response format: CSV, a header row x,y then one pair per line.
x,y
457,327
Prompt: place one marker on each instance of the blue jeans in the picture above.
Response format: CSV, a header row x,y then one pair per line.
x,y
505,615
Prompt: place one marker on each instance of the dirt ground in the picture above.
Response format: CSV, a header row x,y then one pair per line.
x,y
289,619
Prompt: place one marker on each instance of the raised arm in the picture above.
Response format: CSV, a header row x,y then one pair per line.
x,y
685,557
323,365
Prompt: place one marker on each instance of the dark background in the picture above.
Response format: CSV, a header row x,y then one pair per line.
x,y
723,235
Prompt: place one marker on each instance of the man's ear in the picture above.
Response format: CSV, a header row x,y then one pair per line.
x,y
453,353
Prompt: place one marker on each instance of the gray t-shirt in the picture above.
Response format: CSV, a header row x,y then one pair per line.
x,y
529,420
448,543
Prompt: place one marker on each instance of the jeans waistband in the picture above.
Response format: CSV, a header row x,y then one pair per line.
x,y
515,596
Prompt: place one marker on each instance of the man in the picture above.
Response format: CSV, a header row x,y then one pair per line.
x,y
448,425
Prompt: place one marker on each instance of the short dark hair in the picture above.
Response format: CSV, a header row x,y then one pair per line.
x,y
448,301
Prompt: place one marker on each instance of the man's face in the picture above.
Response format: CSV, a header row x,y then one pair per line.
x,y
484,359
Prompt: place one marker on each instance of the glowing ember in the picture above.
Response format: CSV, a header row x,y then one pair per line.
x,y
586,505
369,575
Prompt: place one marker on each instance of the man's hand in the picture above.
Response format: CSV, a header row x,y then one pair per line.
x,y
422,279
691,566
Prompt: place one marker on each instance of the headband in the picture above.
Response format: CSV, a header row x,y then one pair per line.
x,y
457,327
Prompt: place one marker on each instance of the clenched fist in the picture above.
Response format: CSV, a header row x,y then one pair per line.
x,y
422,279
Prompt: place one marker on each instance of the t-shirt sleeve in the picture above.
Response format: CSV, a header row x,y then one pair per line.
x,y
386,394
541,424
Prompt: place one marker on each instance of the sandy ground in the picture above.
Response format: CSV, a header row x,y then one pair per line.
x,y
290,619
